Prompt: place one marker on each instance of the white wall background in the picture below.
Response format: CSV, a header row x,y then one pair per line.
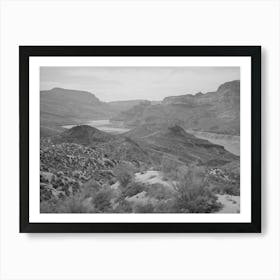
x,y
139,256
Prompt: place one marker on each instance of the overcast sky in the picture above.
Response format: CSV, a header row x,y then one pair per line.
x,y
124,83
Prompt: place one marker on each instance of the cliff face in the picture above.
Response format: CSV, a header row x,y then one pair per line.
x,y
217,111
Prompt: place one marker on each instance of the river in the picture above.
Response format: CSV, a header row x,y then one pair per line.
x,y
231,143
103,125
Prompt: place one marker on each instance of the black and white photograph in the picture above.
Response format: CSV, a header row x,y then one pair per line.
x,y
140,139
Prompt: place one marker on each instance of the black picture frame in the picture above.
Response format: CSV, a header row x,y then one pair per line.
x,y
25,52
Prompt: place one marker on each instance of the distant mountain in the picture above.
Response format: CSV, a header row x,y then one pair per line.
x,y
217,111
83,134
124,105
67,104
60,106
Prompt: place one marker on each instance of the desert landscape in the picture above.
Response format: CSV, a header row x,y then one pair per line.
x,y
176,155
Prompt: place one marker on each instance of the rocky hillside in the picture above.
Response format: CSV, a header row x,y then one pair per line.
x,y
83,134
87,170
175,142
147,144
66,167
217,111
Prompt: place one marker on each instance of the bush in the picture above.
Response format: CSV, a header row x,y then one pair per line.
x,y
193,194
133,188
124,174
48,206
172,169
159,191
89,200
90,188
231,189
73,204
102,200
224,181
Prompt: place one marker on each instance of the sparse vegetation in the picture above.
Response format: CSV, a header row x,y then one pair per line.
x,y
193,194
71,204
102,200
159,192
169,167
124,174
87,171
165,206
133,188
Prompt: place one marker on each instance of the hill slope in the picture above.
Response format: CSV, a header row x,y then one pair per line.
x,y
182,146
83,134
148,144
60,106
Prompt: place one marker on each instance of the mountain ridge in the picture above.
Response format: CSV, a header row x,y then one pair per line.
x,y
211,112
217,111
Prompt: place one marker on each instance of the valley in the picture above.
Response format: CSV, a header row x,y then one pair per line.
x,y
140,156
231,143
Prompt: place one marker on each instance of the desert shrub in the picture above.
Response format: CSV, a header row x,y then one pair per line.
x,y
124,174
133,188
193,194
48,206
69,204
224,181
227,188
232,189
144,208
172,169
73,204
159,191
102,200
88,200
90,188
